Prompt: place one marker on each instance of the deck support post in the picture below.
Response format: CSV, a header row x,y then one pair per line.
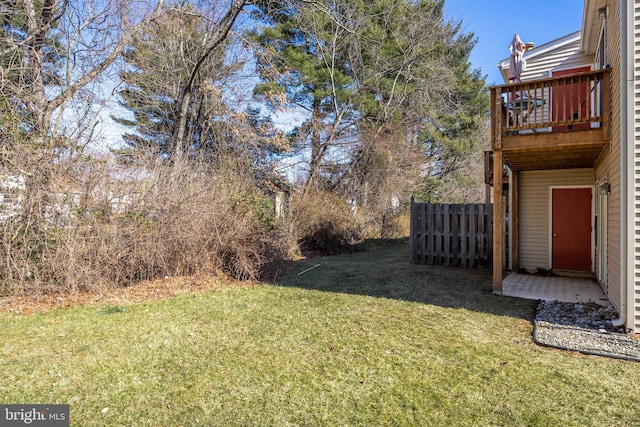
x,y
498,164
514,219
498,223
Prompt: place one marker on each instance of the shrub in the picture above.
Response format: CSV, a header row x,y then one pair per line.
x,y
140,221
323,222
383,223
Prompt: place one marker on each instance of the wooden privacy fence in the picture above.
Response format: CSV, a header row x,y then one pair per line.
x,y
452,235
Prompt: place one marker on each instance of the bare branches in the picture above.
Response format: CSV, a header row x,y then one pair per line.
x,y
376,76
61,47
218,36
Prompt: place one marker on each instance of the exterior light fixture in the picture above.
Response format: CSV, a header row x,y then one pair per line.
x,y
602,12
605,189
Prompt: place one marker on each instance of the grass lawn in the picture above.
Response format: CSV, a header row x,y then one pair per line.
x,y
362,339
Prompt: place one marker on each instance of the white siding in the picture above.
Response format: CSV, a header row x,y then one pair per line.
x,y
560,54
633,224
534,211
608,167
562,58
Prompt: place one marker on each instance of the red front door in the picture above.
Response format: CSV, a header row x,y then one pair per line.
x,y
570,100
571,229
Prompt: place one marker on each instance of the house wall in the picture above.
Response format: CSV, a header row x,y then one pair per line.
x,y
565,53
634,279
560,54
636,141
609,165
560,58
534,245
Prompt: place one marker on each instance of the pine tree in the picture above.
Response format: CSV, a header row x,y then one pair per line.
x,y
302,64
378,79
160,61
160,70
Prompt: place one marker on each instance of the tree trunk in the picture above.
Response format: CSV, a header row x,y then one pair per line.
x,y
316,146
219,36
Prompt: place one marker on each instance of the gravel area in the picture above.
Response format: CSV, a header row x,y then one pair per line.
x,y
583,327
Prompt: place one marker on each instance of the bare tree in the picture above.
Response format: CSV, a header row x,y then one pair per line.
x,y
52,52
56,48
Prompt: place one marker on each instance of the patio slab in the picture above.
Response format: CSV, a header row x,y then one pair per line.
x,y
553,288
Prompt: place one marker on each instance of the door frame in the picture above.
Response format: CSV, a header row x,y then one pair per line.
x,y
550,221
550,75
565,71
601,234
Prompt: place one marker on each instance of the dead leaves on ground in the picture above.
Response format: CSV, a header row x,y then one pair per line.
x,y
155,290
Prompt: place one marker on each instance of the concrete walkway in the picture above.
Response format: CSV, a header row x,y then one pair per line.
x,y
552,288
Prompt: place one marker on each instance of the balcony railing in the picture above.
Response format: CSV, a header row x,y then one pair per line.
x,y
558,104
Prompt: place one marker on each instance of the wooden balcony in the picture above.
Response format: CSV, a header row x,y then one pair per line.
x,y
555,123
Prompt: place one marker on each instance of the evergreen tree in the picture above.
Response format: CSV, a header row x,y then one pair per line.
x,y
302,64
31,57
160,71
51,51
380,79
159,64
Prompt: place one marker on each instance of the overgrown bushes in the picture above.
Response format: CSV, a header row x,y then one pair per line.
x,y
82,222
114,225
323,222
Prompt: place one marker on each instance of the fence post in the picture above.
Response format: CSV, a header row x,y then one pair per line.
x,y
446,235
437,233
480,236
455,235
464,233
428,232
412,231
473,242
423,232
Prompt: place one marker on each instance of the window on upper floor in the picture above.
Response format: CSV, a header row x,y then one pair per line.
x,y
601,51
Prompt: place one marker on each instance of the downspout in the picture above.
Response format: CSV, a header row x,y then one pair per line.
x,y
626,167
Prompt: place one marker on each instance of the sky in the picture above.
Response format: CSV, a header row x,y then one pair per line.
x,y
494,22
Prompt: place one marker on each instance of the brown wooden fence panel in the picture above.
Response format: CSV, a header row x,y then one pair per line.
x,y
451,235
